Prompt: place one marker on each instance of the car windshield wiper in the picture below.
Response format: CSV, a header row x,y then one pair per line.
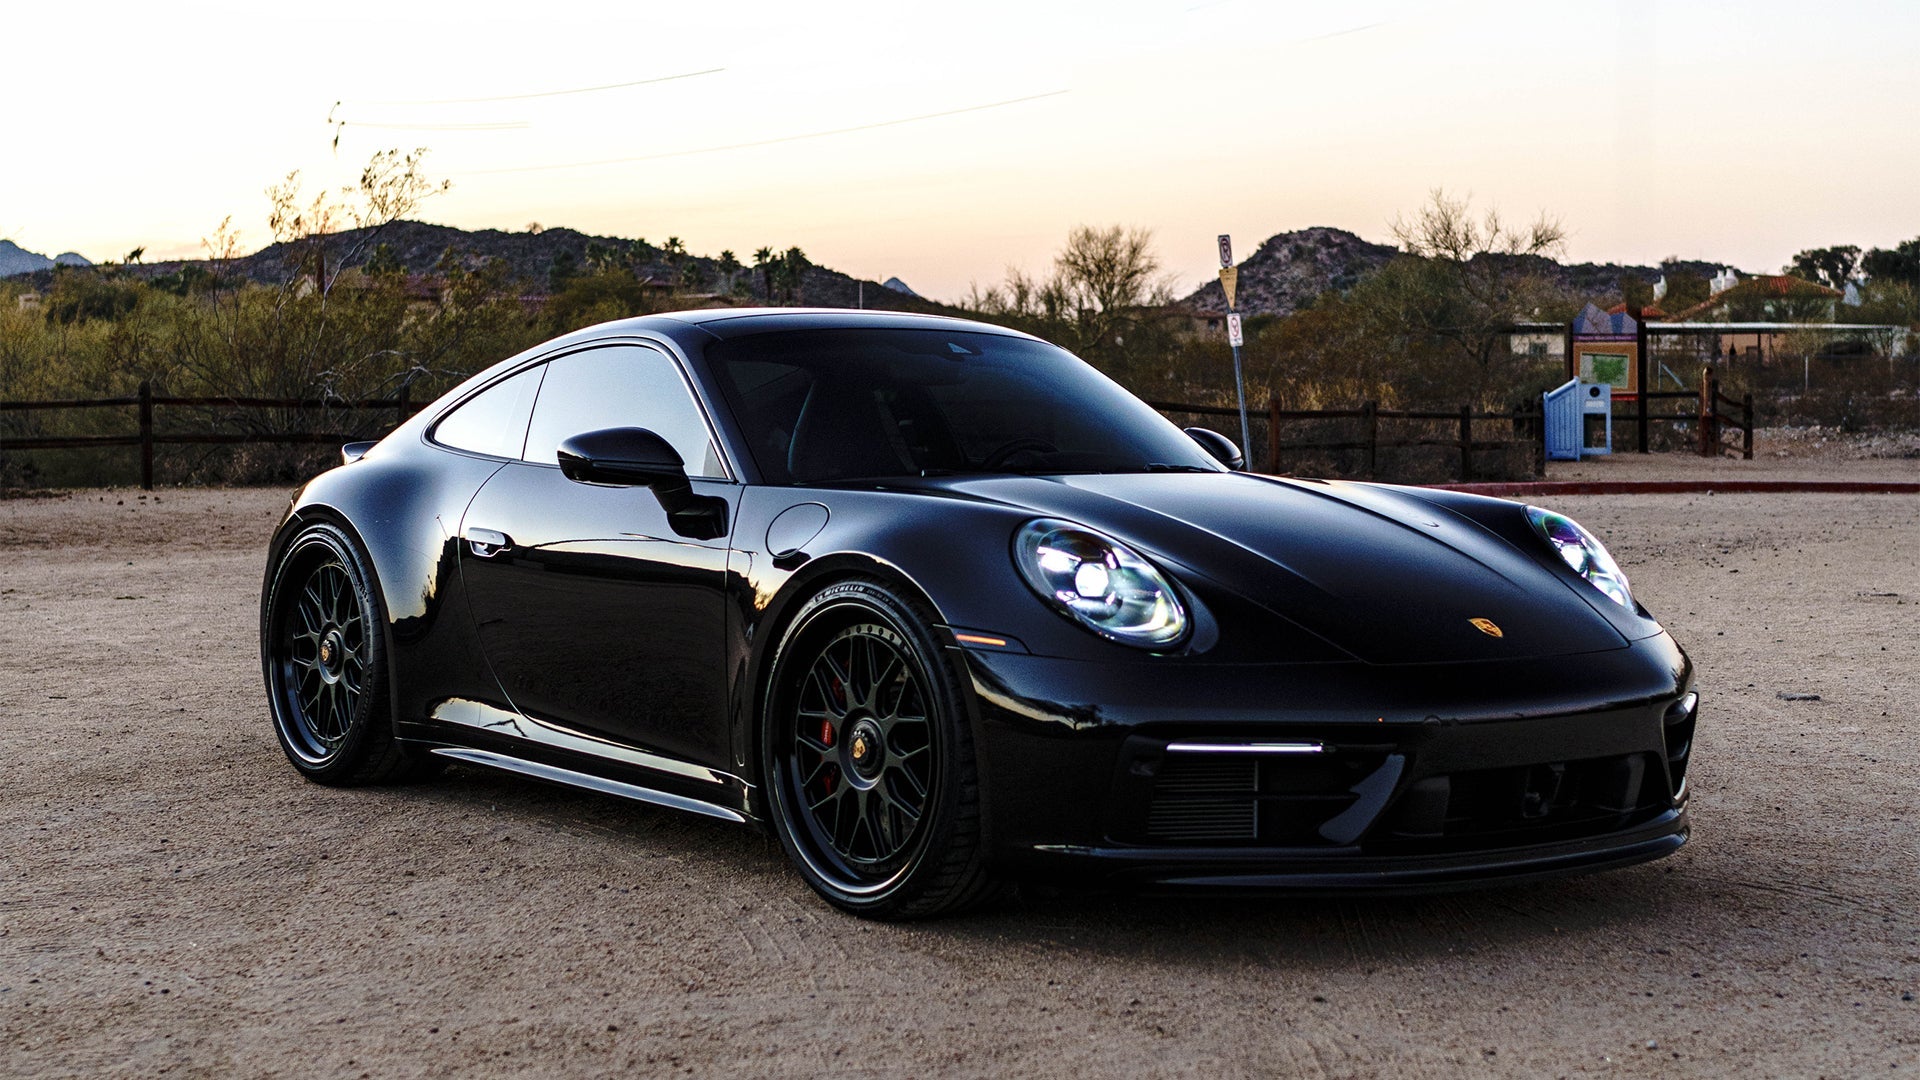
x,y
1162,466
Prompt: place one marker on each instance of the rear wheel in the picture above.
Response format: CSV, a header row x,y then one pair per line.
x,y
869,761
326,664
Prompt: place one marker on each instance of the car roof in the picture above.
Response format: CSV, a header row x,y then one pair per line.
x,y
736,322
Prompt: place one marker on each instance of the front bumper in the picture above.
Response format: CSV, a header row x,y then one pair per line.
x,y
1333,777
1215,870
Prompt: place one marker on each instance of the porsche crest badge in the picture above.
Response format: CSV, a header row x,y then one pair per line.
x,y
1487,627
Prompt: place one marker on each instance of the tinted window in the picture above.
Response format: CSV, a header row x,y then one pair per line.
x,y
493,421
819,405
620,386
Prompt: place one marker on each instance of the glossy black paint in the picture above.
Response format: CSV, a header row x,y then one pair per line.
x,y
601,629
1222,448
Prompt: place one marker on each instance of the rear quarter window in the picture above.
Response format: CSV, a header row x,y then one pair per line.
x,y
494,421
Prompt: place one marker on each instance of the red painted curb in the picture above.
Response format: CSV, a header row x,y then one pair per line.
x,y
1686,487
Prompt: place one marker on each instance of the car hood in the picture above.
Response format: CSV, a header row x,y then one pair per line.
x,y
1383,575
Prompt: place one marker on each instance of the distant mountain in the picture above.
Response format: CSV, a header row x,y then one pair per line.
x,y
1291,269
899,286
530,256
15,259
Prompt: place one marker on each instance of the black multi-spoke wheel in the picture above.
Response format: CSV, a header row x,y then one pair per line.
x,y
325,662
324,652
863,747
869,761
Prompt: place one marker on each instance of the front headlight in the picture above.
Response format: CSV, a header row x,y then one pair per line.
x,y
1099,583
1583,552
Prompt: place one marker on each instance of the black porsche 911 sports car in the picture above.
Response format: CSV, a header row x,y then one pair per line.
x,y
944,607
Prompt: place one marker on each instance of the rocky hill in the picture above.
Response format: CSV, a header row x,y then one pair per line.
x,y
530,257
1291,269
1286,273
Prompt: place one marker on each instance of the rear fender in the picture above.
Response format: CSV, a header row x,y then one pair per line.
x,y
407,521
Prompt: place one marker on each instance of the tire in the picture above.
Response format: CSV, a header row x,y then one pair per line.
x,y
868,759
324,656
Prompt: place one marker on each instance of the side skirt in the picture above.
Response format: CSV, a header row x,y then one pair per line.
x,y
557,775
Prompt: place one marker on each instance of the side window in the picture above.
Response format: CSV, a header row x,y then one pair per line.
x,y
493,421
766,397
620,386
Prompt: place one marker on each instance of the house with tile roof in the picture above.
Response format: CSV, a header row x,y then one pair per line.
x,y
1744,317
1765,298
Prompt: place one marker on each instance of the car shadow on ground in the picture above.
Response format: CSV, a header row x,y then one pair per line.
x,y
1651,901
1338,929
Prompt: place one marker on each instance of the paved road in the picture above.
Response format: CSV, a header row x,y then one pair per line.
x,y
174,899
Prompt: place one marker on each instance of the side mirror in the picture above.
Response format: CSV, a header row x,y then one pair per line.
x,y
636,457
1219,447
622,457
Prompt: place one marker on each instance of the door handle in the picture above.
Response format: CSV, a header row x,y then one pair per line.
x,y
486,543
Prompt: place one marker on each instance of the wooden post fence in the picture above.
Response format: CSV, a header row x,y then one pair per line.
x,y
1642,382
1466,443
1372,409
1273,436
1713,422
144,438
1525,426
1709,413
146,435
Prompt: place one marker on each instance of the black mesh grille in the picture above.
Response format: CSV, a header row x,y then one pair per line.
x,y
1211,820
1209,776
1204,800
1270,800
1360,795
1525,803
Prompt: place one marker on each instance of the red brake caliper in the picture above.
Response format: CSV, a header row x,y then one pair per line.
x,y
826,732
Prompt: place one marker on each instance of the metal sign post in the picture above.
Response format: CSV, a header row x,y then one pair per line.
x,y
1229,278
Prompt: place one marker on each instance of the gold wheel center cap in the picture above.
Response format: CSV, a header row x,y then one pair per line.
x,y
860,747
326,652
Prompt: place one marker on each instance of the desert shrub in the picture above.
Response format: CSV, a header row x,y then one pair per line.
x,y
78,296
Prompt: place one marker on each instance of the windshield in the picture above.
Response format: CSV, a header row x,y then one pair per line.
x,y
821,405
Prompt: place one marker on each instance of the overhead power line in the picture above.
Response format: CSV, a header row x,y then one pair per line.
x,y
547,93
770,142
505,125
1344,33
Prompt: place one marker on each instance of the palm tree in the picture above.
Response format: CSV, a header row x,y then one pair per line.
x,y
793,266
763,262
729,266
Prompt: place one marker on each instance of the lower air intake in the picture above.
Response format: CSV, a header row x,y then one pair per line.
x,y
1204,801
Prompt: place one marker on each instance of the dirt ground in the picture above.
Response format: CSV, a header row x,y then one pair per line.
x,y
174,899
1801,453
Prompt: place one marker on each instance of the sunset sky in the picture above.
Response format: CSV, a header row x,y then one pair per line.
x,y
1733,131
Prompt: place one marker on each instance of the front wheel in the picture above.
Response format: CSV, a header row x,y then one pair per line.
x,y
869,761
325,660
